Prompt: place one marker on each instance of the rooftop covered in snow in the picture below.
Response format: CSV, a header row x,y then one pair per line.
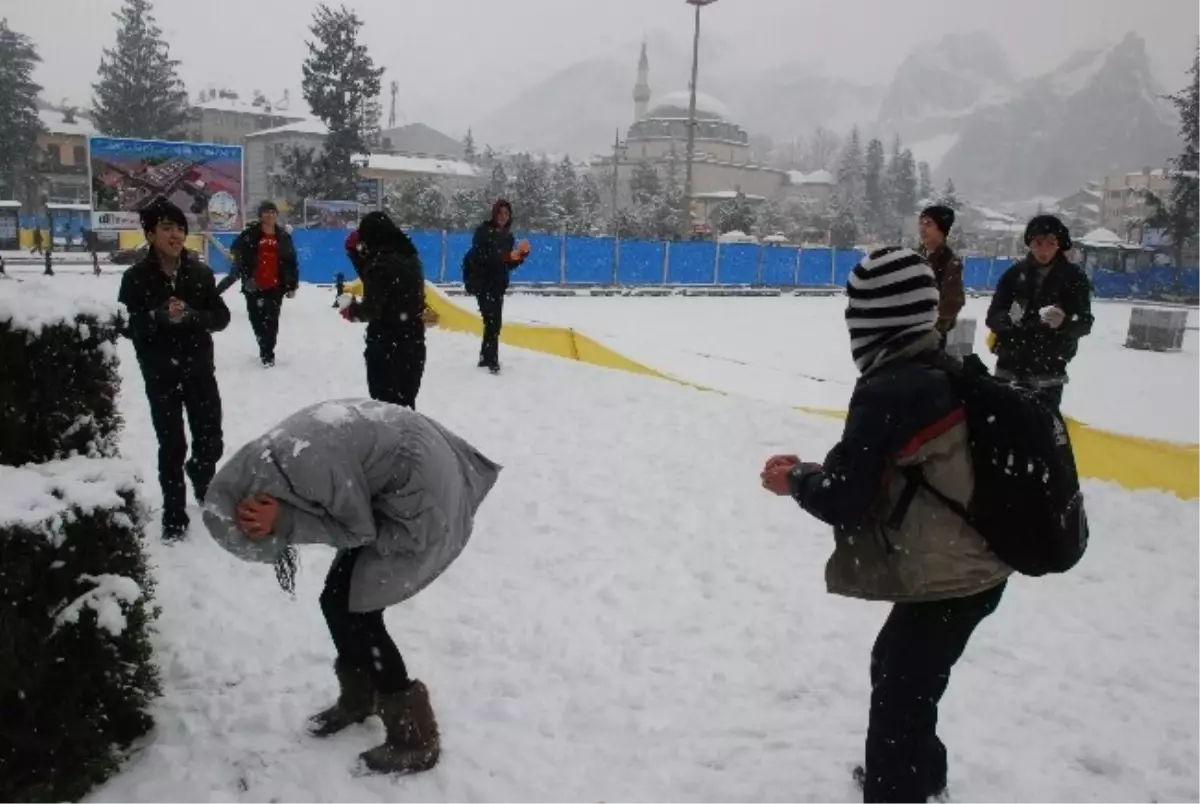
x,y
57,122
424,165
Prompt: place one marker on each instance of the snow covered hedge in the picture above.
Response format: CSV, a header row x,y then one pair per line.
x,y
76,674
59,384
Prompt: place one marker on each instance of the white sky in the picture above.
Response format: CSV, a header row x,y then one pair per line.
x,y
456,60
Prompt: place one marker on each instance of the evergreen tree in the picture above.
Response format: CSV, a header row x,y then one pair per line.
x,y
772,218
419,204
564,194
644,184
467,208
735,215
1177,214
843,231
469,155
341,84
139,93
925,189
301,168
851,179
949,197
875,188
18,108
590,205
904,191
531,195
498,185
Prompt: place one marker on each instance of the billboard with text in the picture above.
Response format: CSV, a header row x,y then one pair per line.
x,y
203,180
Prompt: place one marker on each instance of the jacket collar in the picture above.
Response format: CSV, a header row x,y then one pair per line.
x,y
908,350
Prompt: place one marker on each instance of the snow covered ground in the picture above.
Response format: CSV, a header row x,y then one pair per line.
x,y
634,618
793,350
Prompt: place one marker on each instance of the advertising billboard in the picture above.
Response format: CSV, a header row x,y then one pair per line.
x,y
203,180
331,214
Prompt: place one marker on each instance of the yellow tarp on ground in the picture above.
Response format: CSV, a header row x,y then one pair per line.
x,y
1133,462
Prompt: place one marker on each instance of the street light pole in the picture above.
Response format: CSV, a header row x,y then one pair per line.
x,y
615,177
691,136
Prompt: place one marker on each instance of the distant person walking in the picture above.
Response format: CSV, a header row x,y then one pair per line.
x,y
392,306
1041,308
173,309
486,270
935,224
37,241
264,259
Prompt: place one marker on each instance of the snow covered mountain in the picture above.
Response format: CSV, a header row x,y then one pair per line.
x,y
1099,112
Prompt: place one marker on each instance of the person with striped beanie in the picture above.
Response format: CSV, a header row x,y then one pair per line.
x,y
895,541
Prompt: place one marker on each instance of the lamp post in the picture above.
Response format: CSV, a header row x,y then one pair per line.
x,y
691,137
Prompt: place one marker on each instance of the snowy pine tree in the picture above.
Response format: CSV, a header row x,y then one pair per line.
x,y
875,187
1177,214
531,194
498,184
469,154
925,188
18,108
419,204
564,195
903,192
590,205
735,215
851,190
341,84
949,196
139,93
466,209
302,177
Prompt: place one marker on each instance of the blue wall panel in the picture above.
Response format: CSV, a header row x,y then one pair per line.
x,y
816,267
997,269
739,264
641,262
542,266
779,266
975,272
590,260
845,259
457,246
691,263
429,246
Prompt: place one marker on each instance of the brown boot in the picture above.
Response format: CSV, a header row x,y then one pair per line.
x,y
355,704
412,743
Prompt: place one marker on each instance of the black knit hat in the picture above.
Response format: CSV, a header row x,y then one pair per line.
x,y
158,210
942,217
1048,225
267,206
378,232
893,298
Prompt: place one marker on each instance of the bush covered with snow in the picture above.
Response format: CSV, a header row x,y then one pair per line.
x,y
58,390
76,675
75,608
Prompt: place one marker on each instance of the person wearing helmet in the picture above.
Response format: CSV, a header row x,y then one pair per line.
x,y
1041,308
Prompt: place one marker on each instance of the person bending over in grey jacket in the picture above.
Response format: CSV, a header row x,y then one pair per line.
x,y
396,493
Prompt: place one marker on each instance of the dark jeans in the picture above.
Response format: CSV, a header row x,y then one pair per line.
x,y
199,395
910,669
361,638
394,371
491,310
263,309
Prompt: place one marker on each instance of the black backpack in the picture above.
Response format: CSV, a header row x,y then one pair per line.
x,y
470,273
1026,504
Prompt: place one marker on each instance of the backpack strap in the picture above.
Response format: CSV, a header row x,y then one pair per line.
x,y
915,480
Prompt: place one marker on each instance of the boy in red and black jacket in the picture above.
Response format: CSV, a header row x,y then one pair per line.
x,y
264,258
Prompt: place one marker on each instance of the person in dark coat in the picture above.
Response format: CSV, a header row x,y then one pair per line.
x,y
393,307
935,224
173,308
906,549
1041,308
489,262
264,259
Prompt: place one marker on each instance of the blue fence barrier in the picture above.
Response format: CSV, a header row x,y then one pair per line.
x,y
579,260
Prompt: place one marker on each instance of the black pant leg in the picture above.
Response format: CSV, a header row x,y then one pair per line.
x,y
394,371
166,400
491,310
410,369
272,306
361,639
910,670
203,399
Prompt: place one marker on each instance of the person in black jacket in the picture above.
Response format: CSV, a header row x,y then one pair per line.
x,y
393,306
264,258
488,265
894,541
1041,308
173,307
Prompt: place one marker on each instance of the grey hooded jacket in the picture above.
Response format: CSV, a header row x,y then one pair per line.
x,y
358,473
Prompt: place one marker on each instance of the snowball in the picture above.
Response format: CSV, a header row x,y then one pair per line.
x,y
105,599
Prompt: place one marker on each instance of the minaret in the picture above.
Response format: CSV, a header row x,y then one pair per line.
x,y
641,90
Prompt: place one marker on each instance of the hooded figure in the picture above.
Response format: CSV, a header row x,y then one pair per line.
x,y
396,494
1042,307
893,540
486,270
393,307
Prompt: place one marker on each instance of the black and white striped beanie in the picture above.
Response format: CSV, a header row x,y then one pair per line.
x,y
893,297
